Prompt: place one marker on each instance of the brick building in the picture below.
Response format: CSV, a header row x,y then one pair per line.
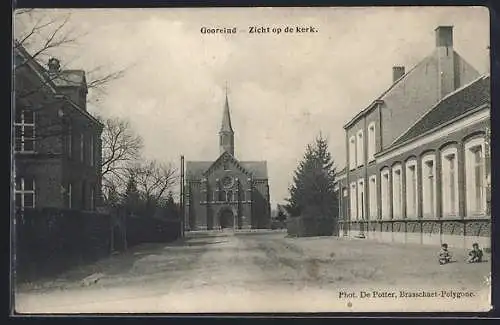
x,y
418,156
227,192
57,142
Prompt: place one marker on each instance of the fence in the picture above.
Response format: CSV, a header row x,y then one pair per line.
x,y
311,226
151,230
50,240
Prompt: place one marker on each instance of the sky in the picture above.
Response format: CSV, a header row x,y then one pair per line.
x,y
284,89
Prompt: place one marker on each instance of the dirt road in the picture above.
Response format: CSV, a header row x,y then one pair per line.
x,y
260,272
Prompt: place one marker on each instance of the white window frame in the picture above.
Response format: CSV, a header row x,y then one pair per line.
x,y
397,191
385,183
23,126
22,191
353,202
372,189
371,141
449,206
361,199
470,180
352,152
429,204
411,186
360,148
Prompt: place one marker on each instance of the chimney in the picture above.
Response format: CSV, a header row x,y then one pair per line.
x,y
444,36
54,65
397,72
448,78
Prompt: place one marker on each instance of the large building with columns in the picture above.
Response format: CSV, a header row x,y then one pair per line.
x,y
227,192
418,161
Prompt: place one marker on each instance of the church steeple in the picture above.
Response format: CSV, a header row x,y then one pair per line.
x,y
226,133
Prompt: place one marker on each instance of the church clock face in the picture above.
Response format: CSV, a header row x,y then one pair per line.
x,y
227,181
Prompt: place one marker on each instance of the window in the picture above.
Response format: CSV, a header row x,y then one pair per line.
x,y
475,177
70,142
371,141
70,196
361,199
352,152
214,198
397,192
411,189
449,181
81,147
91,150
25,131
428,186
229,196
360,156
385,191
372,189
353,202
25,192
92,198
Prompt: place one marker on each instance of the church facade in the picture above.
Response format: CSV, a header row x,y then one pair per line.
x,y
226,192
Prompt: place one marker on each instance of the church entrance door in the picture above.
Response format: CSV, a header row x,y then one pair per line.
x,y
226,218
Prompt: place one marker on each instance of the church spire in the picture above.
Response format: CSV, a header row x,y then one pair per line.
x,y
226,117
226,134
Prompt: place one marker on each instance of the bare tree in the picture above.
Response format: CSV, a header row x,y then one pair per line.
x,y
44,34
121,147
154,180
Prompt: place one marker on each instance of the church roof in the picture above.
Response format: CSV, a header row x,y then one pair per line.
x,y
226,119
257,168
197,169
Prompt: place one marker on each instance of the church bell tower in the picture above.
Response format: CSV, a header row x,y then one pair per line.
x,y
226,133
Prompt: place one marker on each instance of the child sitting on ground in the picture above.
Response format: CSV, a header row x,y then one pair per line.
x,y
444,255
476,254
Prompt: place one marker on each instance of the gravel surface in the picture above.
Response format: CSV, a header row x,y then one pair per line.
x,y
258,272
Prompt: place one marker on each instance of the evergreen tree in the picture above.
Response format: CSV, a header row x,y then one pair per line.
x,y
132,199
312,193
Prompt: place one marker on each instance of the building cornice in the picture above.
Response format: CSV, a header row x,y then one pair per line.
x,y
363,112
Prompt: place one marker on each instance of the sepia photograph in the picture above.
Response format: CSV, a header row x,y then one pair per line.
x,y
250,160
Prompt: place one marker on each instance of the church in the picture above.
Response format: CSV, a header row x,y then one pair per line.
x,y
227,192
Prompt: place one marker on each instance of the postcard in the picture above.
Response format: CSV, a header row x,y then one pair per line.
x,y
251,160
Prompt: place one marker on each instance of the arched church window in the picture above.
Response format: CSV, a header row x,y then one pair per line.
x,y
229,196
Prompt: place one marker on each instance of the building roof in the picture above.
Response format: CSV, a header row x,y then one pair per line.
x,y
197,169
226,119
450,107
383,95
64,78
257,168
70,78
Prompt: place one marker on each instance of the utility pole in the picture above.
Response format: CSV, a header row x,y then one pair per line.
x,y
182,204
